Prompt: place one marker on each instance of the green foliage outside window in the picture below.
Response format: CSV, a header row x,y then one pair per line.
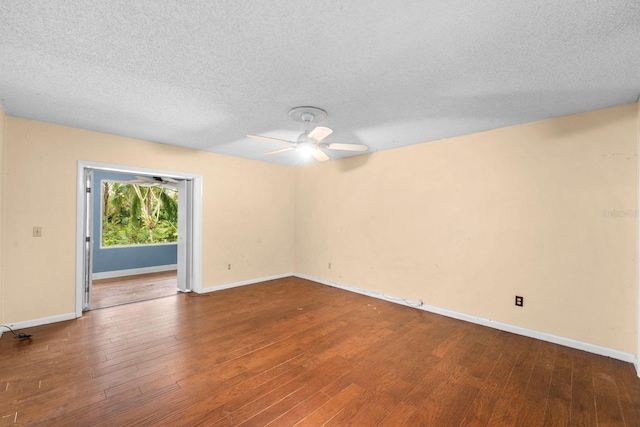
x,y
133,214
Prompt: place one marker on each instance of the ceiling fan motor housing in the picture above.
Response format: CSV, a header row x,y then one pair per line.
x,y
305,138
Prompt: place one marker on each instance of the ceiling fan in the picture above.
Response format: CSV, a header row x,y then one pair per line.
x,y
309,143
154,181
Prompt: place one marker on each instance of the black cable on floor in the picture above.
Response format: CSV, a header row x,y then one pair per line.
x,y
19,335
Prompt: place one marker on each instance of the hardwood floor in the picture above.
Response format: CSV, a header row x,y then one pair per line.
x,y
293,352
124,290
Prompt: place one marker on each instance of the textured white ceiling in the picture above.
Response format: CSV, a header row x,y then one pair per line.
x,y
203,74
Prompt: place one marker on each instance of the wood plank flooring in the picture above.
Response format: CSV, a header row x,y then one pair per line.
x,y
293,352
124,290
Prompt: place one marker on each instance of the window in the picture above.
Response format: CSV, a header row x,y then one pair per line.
x,y
138,214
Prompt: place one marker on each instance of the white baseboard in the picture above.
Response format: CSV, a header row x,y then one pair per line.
x,y
567,342
244,283
38,322
133,271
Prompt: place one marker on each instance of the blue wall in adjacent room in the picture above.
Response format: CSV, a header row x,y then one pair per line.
x,y
124,258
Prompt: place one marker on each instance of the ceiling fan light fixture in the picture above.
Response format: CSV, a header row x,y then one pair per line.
x,y
306,149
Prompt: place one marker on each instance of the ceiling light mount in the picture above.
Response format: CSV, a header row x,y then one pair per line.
x,y
307,114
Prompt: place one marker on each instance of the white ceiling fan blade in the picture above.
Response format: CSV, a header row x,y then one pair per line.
x,y
142,180
268,138
320,133
153,181
320,155
346,147
282,150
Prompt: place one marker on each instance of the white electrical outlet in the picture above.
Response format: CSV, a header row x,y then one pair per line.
x,y
37,231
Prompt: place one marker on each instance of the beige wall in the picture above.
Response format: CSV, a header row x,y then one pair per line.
x,y
3,127
247,212
467,223
463,224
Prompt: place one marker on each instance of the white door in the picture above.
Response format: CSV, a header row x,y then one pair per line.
x,y
87,238
185,232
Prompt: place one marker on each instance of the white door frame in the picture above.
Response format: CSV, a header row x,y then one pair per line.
x,y
185,198
193,269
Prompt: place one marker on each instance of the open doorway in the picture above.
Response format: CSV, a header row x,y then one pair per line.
x,y
134,219
185,272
